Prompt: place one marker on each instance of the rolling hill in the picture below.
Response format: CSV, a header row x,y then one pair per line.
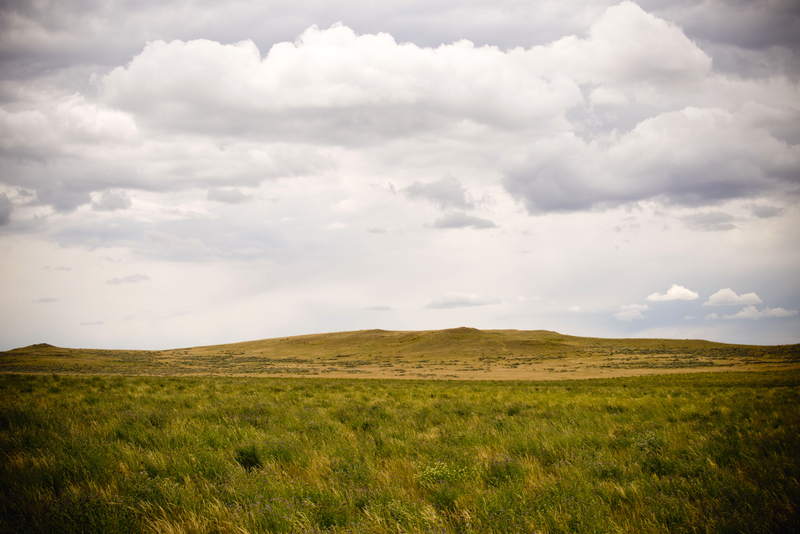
x,y
458,353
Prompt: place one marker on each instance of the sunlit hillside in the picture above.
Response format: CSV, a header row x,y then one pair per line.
x,y
459,353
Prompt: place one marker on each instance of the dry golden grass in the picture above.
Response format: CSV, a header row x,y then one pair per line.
x,y
459,353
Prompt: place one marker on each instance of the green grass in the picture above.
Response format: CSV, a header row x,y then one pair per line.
x,y
661,454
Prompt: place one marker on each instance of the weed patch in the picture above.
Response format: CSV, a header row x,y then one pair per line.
x,y
248,457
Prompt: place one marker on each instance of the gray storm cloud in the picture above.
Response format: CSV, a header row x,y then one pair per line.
x,y
6,207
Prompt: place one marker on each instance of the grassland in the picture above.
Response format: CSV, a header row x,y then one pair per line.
x,y
455,354
487,431
705,452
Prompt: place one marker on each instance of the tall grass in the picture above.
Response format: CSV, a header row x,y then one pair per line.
x,y
681,453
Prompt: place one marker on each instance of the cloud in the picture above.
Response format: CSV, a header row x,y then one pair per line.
x,y
766,212
6,207
131,279
538,112
462,300
713,221
612,52
631,311
750,312
46,300
447,192
111,201
64,149
750,26
379,308
574,308
367,87
331,84
202,114
62,125
727,297
712,316
688,157
675,292
71,148
64,197
170,246
56,34
778,312
228,196
462,220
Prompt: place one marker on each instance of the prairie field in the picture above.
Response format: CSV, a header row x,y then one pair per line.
x,y
453,354
701,452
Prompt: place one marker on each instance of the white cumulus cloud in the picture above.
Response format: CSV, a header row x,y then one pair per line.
x,y
675,292
351,82
462,300
750,312
728,297
630,312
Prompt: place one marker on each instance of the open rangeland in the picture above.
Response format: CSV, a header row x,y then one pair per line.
x,y
458,353
678,452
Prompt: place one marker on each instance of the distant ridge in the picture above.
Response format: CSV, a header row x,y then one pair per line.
x,y
454,353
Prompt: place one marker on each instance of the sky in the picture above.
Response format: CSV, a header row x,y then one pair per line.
x,y
183,173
